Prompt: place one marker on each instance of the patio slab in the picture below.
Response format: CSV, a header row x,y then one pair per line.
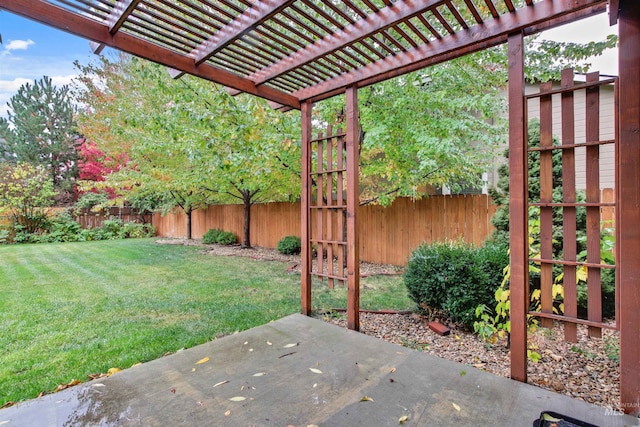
x,y
301,371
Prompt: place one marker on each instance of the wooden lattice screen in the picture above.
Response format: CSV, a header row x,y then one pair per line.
x,y
589,149
328,206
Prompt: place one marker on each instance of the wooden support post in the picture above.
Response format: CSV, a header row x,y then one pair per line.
x,y
305,196
569,212
546,196
518,195
594,291
628,212
353,202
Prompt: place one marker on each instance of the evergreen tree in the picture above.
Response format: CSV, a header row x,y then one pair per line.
x,y
40,130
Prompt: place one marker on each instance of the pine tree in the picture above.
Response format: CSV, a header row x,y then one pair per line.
x,y
40,130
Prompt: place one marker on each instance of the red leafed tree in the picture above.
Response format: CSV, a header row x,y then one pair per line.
x,y
94,165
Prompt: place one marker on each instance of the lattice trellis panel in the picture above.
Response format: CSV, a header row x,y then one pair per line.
x,y
580,109
328,206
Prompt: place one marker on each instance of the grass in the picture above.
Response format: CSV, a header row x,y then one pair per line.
x,y
74,309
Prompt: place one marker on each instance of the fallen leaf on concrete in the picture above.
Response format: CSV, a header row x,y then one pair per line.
x,y
269,343
457,407
112,371
366,399
403,419
259,374
203,360
226,414
238,399
315,371
220,383
392,370
290,345
4,422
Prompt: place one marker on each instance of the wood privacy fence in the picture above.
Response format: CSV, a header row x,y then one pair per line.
x,y
387,234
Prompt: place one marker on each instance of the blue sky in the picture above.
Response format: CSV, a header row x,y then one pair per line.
x,y
31,50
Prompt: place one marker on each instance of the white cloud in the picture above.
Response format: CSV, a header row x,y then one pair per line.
x,y
19,44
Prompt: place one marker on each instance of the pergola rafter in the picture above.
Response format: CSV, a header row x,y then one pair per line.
x,y
296,52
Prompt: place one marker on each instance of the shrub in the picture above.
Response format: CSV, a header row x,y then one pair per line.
x,y
455,277
211,236
220,237
135,230
226,238
290,245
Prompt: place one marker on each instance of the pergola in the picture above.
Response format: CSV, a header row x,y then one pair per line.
x,y
297,52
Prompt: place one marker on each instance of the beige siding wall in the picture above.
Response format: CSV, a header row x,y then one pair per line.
x,y
607,131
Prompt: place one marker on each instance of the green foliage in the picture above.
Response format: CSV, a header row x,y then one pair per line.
x,y
211,236
289,245
188,142
226,238
40,130
455,277
26,193
219,237
91,200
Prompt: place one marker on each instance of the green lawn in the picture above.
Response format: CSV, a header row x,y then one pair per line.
x,y
74,309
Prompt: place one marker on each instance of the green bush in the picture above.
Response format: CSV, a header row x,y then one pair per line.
x,y
226,238
290,245
220,237
211,236
455,277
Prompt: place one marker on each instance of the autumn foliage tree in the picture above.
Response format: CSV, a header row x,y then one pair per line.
x,y
188,142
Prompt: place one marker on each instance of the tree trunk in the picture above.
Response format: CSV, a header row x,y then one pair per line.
x,y
188,212
246,231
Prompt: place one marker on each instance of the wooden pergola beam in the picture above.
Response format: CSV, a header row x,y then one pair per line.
x,y
384,19
249,20
476,38
116,19
55,16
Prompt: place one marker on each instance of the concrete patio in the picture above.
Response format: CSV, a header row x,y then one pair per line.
x,y
301,371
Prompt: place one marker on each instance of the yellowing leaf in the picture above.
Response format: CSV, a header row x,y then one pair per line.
x,y
237,399
403,419
259,374
366,399
193,369
315,371
112,371
220,383
226,414
457,407
290,345
203,360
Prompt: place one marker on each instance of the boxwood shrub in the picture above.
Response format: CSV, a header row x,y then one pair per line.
x,y
218,236
290,245
455,277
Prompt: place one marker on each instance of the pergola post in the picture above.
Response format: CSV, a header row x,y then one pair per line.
x,y
305,197
628,216
518,194
353,202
